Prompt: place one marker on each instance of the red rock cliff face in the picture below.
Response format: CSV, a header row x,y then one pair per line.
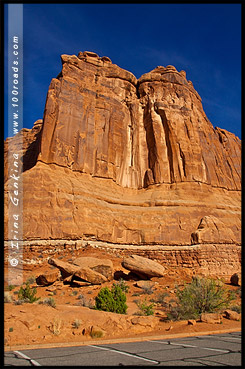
x,y
100,120
129,161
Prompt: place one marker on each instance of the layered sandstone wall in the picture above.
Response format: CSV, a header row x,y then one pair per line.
x,y
128,161
100,120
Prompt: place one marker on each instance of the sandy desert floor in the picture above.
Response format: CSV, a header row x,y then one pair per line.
x,y
72,321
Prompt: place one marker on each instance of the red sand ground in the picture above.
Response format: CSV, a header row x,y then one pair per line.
x,y
38,324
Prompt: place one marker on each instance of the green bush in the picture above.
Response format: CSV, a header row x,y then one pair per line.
x,y
11,287
202,295
113,300
27,294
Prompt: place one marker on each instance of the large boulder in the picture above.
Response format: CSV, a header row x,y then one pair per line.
x,y
236,279
89,275
102,266
47,278
66,269
71,272
231,315
211,318
143,267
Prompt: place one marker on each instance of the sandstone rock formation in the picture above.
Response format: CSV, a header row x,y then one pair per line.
x,y
26,145
67,269
47,278
236,279
71,272
211,318
102,266
127,161
232,315
89,275
143,267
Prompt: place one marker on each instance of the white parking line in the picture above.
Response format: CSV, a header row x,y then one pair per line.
x,y
23,356
124,353
184,345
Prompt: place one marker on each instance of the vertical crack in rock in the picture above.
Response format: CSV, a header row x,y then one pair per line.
x,y
168,143
151,142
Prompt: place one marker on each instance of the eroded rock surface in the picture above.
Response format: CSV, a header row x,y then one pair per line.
x,y
128,161
143,267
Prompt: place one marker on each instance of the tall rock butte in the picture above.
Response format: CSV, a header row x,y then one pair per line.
x,y
128,161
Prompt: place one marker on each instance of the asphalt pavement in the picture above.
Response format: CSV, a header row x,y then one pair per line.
x,y
209,350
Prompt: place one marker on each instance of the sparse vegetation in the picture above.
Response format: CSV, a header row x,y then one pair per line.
x,y
147,290
55,326
31,280
145,308
83,301
122,284
96,334
28,294
239,291
113,300
11,329
76,324
50,301
236,308
161,299
202,295
11,287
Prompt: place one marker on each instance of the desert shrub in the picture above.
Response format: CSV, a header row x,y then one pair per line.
x,y
11,287
145,308
147,290
236,308
122,284
113,300
96,334
74,293
76,324
55,326
31,280
50,301
239,291
202,295
83,301
28,294
160,299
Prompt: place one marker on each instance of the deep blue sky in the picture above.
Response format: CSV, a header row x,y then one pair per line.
x,y
202,39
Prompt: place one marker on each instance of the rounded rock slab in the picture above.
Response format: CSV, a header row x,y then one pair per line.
x,y
143,266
